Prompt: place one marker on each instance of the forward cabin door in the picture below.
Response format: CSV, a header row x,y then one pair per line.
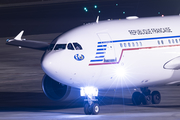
x,y
109,55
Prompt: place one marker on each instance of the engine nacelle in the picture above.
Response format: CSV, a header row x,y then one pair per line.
x,y
57,91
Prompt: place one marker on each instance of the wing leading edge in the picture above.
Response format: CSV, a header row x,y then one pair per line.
x,y
18,41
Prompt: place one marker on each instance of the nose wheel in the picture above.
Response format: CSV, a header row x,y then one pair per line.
x,y
91,105
91,109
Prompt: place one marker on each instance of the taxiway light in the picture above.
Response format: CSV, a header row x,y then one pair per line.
x,y
85,8
95,6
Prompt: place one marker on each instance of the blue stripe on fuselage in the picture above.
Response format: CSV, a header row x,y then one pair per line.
x,y
101,49
99,57
102,46
96,60
100,52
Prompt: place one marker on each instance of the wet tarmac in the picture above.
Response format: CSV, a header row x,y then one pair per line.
x,y
21,96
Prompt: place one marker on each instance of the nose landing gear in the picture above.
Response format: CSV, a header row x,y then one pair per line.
x,y
91,109
146,97
91,105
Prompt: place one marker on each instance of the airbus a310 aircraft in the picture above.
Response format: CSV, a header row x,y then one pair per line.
x,y
133,53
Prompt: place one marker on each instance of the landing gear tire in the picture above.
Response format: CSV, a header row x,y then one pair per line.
x,y
156,97
91,109
87,109
147,100
137,98
146,97
95,108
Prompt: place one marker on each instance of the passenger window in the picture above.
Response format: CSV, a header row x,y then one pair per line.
x,y
60,47
124,44
162,42
137,44
140,43
158,42
133,44
129,44
179,40
176,41
70,46
121,45
77,46
172,40
169,41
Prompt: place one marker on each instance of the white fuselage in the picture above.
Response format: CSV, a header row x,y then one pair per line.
x,y
118,53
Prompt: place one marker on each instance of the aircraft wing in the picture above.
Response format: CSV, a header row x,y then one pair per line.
x,y
18,41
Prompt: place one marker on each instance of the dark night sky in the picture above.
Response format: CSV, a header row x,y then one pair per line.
x,y
59,17
141,8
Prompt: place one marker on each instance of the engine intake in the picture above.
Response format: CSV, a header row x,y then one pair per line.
x,y
54,90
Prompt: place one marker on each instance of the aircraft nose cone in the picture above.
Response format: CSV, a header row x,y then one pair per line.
x,y
47,65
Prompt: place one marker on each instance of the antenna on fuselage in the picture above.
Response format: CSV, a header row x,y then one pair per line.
x,y
97,20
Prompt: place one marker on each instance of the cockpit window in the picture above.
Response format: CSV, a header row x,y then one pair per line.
x,y
70,46
51,46
60,47
77,46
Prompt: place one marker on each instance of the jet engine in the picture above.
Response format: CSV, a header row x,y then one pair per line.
x,y
57,91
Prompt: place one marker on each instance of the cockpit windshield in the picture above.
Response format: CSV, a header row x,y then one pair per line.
x,y
70,46
51,46
77,46
60,47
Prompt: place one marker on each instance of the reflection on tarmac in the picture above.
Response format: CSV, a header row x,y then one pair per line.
x,y
21,96
114,116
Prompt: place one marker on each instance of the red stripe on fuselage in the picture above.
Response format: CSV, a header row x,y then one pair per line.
x,y
128,50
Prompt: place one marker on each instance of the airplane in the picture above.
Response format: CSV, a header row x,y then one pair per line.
x,y
128,53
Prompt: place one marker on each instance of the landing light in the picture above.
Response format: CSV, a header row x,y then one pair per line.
x,y
89,91
120,72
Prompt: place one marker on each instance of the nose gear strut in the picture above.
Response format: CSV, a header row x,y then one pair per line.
x,y
91,105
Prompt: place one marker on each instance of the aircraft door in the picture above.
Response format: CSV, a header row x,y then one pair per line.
x,y
110,50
